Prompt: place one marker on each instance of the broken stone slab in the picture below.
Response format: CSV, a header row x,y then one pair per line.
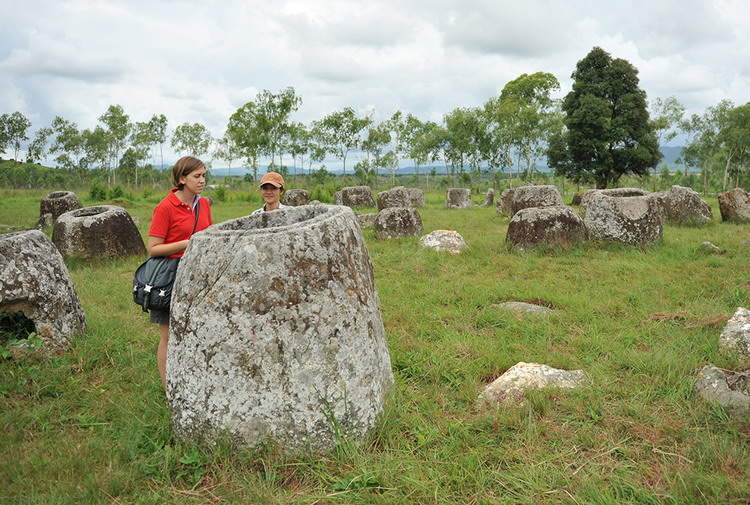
x,y
523,308
355,196
709,248
296,197
735,205
725,387
35,281
276,332
489,198
58,203
510,388
525,197
444,240
735,337
534,226
458,198
394,197
99,231
634,220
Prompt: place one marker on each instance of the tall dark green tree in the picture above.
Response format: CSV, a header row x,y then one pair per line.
x,y
607,130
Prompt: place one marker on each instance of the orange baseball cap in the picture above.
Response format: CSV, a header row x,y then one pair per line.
x,y
272,178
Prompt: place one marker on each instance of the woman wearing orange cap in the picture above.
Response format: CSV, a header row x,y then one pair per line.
x,y
271,189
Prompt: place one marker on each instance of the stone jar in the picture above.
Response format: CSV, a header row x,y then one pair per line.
x,y
58,203
101,231
276,332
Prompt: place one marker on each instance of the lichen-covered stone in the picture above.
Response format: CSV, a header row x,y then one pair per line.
x,y
276,332
444,240
735,337
58,203
511,386
505,202
535,196
458,198
355,196
396,222
296,197
394,197
416,197
614,192
489,198
35,281
367,220
735,205
524,308
729,389
545,225
684,206
100,231
634,220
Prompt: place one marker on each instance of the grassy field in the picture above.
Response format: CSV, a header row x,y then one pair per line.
x,y
91,425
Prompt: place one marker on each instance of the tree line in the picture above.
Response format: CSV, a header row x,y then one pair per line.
x,y
602,129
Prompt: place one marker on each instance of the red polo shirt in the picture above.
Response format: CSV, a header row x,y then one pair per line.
x,y
173,220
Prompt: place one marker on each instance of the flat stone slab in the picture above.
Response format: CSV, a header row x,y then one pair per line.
x,y
725,387
511,387
523,308
444,240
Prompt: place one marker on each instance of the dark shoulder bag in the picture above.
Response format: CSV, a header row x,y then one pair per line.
x,y
154,279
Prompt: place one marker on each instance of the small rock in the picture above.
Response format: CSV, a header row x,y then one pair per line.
x,y
523,307
444,240
735,337
709,248
727,388
511,386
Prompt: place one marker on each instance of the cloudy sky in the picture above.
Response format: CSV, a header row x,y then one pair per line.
x,y
201,60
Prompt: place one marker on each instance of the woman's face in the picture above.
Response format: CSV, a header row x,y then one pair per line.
x,y
270,193
195,181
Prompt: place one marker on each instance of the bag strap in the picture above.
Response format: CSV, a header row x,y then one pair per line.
x,y
197,213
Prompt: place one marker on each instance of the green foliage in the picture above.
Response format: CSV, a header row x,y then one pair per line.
x,y
116,192
98,192
608,133
220,193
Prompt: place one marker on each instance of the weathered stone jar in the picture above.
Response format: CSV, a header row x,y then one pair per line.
x,y
101,231
276,332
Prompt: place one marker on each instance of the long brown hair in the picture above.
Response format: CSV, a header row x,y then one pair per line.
x,y
183,167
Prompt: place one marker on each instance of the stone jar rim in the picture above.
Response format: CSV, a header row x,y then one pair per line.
x,y
321,213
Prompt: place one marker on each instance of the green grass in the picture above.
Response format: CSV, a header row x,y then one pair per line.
x,y
91,426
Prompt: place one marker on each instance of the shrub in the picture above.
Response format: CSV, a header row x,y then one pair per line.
x,y
116,192
97,191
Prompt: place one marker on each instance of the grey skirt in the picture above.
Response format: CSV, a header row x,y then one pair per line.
x,y
160,316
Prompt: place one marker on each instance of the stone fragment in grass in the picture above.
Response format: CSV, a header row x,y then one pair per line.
x,y
367,220
58,203
276,332
709,248
94,232
35,281
535,196
735,337
523,308
489,199
444,240
394,197
634,220
535,226
295,197
396,222
725,387
511,386
355,196
684,206
458,198
735,205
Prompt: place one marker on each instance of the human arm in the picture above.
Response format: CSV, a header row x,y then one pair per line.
x,y
157,247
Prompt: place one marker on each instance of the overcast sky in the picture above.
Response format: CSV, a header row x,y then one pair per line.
x,y
200,60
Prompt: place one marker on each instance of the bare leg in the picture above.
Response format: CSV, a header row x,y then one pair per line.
x,y
161,353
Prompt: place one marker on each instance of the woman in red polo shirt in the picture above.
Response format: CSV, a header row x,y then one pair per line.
x,y
171,227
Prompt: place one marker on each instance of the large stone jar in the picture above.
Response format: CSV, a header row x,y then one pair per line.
x,y
102,231
276,332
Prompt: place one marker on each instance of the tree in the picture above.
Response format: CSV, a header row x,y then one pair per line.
x,y
227,150
95,147
497,149
607,130
463,135
118,127
68,141
14,127
341,131
158,127
734,139
38,146
666,114
141,140
193,139
272,119
244,131
703,149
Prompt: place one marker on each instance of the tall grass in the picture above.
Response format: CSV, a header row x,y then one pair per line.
x,y
90,425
